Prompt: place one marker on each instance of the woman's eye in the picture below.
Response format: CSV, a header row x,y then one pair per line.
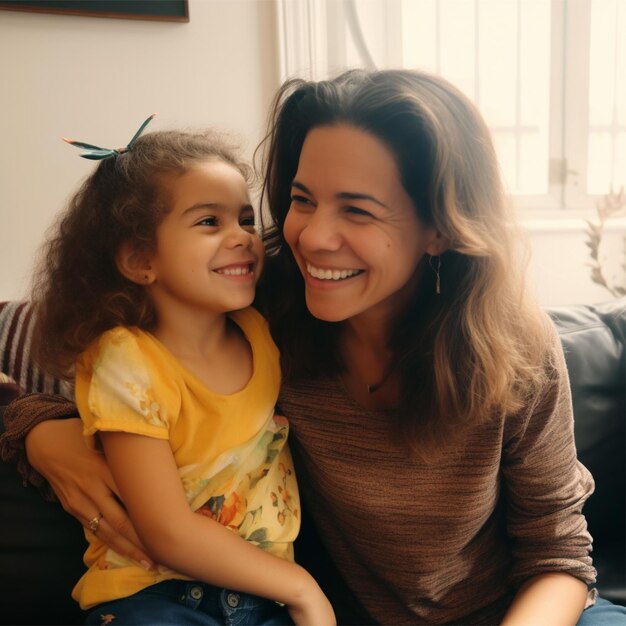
x,y
300,200
208,221
355,210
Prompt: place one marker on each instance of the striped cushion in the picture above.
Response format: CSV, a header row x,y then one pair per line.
x,y
16,322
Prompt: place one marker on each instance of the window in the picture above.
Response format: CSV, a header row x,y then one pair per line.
x,y
544,73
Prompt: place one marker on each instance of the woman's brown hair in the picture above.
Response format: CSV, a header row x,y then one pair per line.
x,y
480,346
77,289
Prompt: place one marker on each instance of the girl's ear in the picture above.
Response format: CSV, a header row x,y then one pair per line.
x,y
134,265
438,244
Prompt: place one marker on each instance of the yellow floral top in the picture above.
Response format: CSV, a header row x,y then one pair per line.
x,y
230,450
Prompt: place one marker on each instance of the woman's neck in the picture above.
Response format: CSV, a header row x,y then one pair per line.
x,y
368,359
370,333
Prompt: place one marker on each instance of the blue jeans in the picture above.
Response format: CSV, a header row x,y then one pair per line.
x,y
189,602
603,613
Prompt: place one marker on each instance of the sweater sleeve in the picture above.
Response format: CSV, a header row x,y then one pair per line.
x,y
20,417
546,486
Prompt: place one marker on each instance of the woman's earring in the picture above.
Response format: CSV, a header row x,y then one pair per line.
x,y
437,273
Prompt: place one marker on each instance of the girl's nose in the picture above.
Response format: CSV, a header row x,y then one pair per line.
x,y
239,236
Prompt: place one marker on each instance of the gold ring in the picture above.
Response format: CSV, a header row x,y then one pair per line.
x,y
94,523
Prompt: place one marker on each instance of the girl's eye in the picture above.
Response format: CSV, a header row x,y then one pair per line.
x,y
247,223
208,221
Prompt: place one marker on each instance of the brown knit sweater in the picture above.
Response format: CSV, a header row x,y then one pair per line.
x,y
20,417
451,541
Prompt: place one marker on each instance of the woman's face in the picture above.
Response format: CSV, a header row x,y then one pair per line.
x,y
352,227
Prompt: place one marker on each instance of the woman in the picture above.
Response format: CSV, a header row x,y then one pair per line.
x,y
427,393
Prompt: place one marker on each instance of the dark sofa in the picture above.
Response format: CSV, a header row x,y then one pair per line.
x,y
41,546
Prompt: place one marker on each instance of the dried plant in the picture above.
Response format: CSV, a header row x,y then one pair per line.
x,y
612,205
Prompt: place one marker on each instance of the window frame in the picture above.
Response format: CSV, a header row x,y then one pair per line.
x,y
309,40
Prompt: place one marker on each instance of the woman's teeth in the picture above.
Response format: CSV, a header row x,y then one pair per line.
x,y
326,274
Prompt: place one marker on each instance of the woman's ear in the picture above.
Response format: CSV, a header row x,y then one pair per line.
x,y
135,265
438,244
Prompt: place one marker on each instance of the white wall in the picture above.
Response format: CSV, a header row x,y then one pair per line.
x,y
96,79
560,266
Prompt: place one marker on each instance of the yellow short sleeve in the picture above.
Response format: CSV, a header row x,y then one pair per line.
x,y
115,387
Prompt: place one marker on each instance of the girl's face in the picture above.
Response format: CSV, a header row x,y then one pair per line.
x,y
353,228
208,255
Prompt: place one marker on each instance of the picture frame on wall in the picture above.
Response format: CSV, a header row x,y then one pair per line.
x,y
160,10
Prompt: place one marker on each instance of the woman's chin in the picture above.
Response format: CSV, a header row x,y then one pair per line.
x,y
327,311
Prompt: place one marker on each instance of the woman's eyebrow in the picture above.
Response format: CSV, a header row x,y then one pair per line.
x,y
301,187
343,195
348,195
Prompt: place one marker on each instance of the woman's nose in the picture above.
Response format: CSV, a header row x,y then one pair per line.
x,y
320,232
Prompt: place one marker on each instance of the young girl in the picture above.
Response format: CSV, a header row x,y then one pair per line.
x,y
146,287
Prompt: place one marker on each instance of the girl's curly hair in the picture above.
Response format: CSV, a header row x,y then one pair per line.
x,y
77,289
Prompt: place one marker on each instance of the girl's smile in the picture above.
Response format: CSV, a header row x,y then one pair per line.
x,y
242,271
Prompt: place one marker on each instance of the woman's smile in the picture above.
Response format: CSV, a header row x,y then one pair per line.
x,y
335,274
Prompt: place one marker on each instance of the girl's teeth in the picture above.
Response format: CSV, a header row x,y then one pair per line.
x,y
234,271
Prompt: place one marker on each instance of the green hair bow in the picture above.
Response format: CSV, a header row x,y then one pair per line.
x,y
96,153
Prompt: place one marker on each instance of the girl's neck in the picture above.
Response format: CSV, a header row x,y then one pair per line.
x,y
190,333
209,346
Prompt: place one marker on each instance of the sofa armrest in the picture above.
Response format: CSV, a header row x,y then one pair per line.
x,y
594,342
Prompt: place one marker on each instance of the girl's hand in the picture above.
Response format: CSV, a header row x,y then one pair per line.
x,y
313,609
83,483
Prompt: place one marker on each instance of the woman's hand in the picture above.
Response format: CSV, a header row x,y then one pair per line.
x,y
83,483
554,598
